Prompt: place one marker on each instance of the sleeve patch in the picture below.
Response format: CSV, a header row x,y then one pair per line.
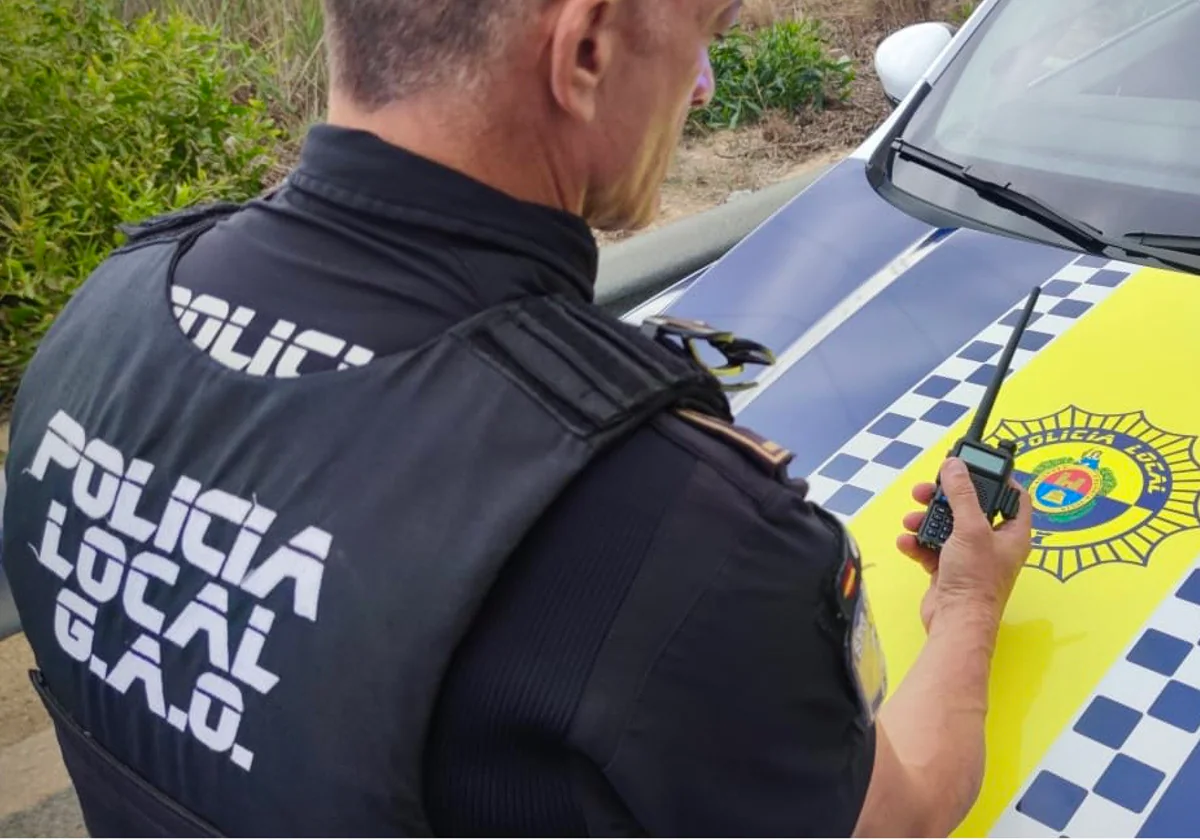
x,y
865,654
863,649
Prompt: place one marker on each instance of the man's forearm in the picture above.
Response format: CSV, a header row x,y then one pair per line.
x,y
934,725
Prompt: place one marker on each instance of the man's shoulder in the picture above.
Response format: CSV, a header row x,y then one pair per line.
x,y
731,497
712,493
702,484
740,461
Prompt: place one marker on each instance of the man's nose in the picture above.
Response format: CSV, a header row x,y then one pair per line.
x,y
705,83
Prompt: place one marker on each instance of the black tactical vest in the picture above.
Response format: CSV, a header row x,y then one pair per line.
x,y
243,592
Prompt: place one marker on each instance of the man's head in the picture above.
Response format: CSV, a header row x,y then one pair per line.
x,y
575,103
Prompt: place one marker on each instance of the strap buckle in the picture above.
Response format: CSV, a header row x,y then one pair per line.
x,y
738,352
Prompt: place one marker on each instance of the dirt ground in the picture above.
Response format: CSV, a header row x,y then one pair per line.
x,y
708,171
36,799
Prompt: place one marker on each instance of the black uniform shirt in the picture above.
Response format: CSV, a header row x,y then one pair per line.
x,y
663,654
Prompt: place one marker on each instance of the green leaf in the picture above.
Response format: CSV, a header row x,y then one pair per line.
x,y
101,122
783,67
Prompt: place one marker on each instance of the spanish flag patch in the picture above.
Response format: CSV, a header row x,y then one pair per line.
x,y
849,581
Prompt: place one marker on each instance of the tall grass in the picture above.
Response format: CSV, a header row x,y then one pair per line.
x,y
784,67
781,64
287,33
103,123
897,13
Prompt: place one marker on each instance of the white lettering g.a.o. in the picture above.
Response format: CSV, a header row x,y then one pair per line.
x,y
141,663
75,624
215,691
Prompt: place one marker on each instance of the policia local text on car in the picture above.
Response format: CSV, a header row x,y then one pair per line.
x,y
345,512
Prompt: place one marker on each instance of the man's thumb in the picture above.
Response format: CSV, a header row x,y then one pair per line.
x,y
956,484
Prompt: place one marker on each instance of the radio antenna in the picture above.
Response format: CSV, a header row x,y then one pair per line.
x,y
979,425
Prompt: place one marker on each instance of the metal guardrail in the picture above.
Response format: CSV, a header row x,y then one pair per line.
x,y
638,268
630,272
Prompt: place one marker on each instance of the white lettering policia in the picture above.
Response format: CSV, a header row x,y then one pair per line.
x,y
123,560
217,327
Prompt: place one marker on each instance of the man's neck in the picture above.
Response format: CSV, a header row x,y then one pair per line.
x,y
505,152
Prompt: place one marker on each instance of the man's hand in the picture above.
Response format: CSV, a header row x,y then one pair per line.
x,y
979,564
929,758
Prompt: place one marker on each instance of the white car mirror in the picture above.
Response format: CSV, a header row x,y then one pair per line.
x,y
904,56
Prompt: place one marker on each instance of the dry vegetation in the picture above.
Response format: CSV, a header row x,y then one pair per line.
x,y
709,170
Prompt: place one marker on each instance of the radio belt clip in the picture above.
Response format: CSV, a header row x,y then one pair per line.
x,y
738,352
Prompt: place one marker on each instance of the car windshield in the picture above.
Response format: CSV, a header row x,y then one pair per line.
x,y
1091,106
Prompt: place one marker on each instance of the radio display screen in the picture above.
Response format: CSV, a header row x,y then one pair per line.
x,y
982,459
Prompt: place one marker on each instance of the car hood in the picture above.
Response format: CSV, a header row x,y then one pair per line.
x,y
886,333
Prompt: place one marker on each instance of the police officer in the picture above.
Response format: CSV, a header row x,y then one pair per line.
x,y
344,512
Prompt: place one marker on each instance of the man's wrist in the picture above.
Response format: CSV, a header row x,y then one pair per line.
x,y
970,620
962,639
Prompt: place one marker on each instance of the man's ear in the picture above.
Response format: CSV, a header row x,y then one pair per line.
x,y
583,41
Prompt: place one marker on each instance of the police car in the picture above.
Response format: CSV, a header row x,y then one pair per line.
x,y
1049,144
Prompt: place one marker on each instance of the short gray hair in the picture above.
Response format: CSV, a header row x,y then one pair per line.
x,y
384,50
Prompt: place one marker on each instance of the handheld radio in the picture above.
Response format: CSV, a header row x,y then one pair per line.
x,y
990,467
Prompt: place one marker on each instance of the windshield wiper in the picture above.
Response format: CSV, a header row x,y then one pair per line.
x,y
1167,241
1089,239
1003,195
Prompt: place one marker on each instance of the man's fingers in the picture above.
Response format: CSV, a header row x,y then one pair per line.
x,y
923,493
912,521
964,501
910,548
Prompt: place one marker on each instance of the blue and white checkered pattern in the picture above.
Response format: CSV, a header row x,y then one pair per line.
x,y
1110,767
876,456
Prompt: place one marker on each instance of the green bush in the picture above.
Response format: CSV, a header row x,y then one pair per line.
x,y
785,66
101,123
962,11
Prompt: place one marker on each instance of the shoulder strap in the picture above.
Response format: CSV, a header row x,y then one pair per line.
x,y
766,454
175,224
185,222
597,375
179,223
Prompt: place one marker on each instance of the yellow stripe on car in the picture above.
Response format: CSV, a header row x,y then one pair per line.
x,y
1107,416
